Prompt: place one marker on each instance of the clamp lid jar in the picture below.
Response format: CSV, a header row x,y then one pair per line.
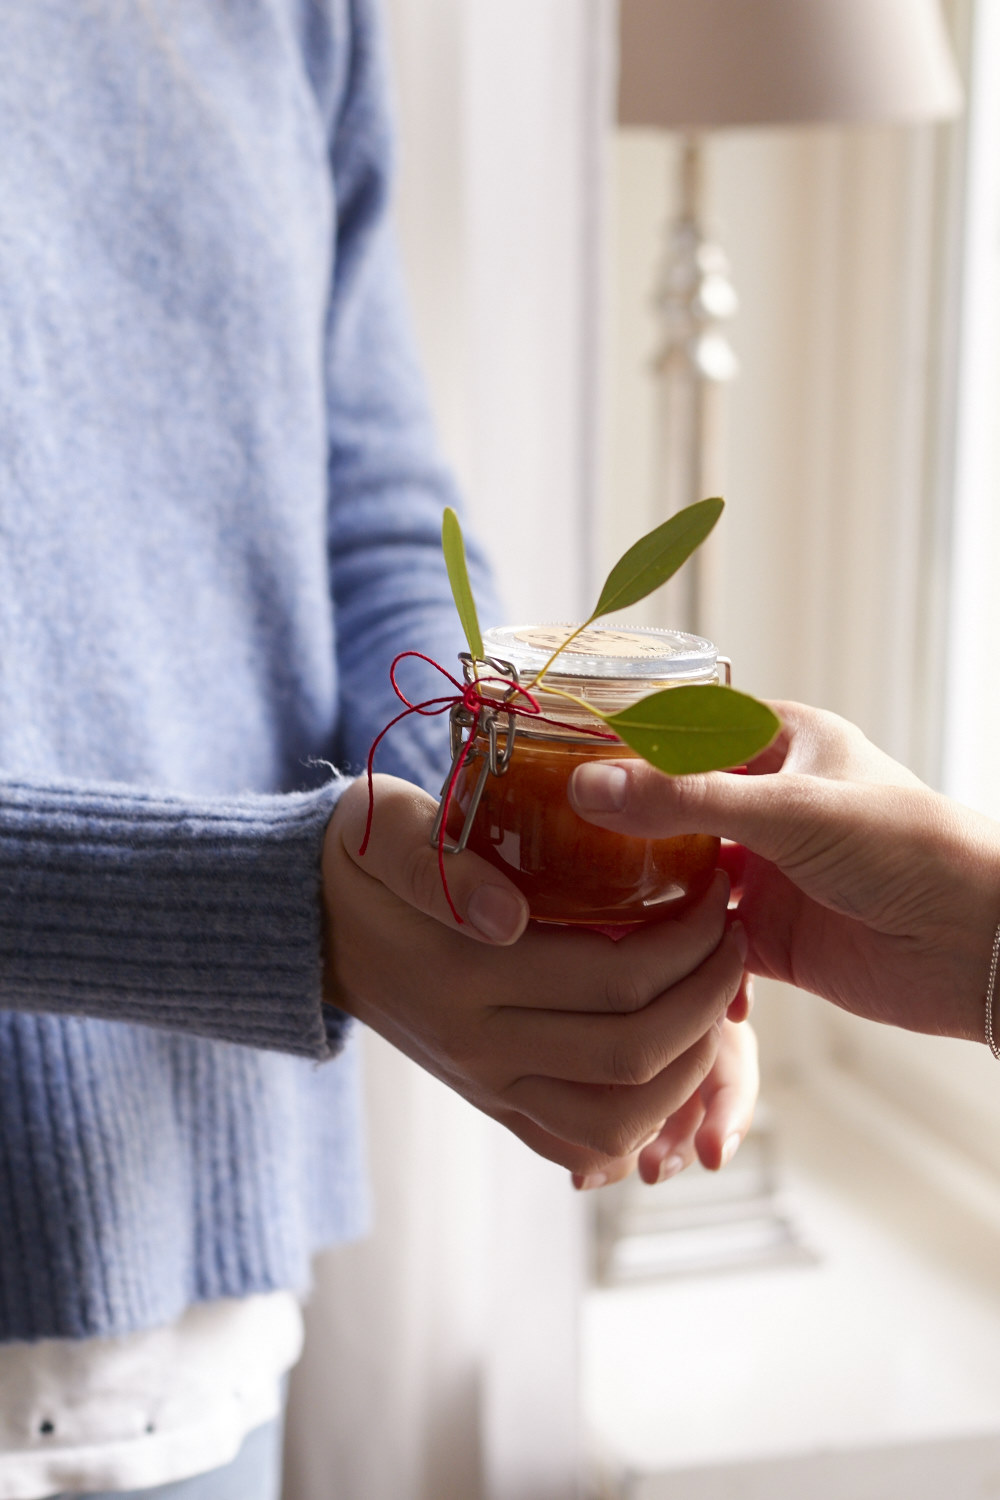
x,y
520,818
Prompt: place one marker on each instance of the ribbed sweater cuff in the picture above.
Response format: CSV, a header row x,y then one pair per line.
x,y
202,917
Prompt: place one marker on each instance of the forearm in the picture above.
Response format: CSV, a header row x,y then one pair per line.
x,y
967,849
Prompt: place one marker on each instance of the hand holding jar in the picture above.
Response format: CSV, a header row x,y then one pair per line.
x,y
581,1046
858,882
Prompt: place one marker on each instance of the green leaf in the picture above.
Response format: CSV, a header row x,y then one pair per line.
x,y
696,728
656,556
453,547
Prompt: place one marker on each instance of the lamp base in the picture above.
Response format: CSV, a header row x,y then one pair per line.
x,y
696,299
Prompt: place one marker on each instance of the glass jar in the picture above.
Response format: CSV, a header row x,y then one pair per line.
x,y
571,871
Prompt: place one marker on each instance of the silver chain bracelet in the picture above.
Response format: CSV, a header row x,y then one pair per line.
x,y
990,988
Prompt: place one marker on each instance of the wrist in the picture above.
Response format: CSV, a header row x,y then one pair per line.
x,y
975,934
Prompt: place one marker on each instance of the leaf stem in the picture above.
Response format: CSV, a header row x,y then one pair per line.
x,y
572,698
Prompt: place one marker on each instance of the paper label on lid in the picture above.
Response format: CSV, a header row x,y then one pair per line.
x,y
613,643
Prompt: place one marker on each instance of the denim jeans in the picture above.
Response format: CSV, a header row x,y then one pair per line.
x,y
254,1474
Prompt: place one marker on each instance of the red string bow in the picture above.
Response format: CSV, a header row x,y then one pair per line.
x,y
469,695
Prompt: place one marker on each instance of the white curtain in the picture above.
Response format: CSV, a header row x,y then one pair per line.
x,y
441,1359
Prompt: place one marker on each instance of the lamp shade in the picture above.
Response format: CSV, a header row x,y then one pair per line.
x,y
708,64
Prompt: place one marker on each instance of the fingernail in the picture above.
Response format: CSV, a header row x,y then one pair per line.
x,y
496,913
584,1184
670,1168
729,1149
740,938
598,788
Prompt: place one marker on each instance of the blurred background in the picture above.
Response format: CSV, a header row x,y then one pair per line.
x,y
823,1320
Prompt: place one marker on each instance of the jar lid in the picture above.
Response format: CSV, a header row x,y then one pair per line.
x,y
608,652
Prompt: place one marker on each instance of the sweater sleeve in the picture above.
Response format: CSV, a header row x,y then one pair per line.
x,y
202,917
203,914
388,482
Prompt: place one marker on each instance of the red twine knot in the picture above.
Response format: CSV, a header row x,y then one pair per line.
x,y
471,697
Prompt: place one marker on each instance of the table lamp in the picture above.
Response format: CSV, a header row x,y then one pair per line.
x,y
696,66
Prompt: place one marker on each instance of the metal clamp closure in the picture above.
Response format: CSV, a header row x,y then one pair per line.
x,y
464,724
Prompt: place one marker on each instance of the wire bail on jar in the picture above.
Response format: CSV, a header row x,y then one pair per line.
x,y
465,725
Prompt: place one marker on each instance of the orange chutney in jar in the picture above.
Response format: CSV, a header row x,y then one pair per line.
x,y
571,871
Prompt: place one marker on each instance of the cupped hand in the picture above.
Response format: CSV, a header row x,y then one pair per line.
x,y
709,1127
581,1046
857,881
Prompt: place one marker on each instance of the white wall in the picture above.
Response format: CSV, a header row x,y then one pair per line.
x,y
503,113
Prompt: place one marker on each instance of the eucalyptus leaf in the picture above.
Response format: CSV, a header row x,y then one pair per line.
x,y
453,546
656,556
702,727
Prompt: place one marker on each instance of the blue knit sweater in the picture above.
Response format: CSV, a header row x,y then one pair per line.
x,y
219,519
